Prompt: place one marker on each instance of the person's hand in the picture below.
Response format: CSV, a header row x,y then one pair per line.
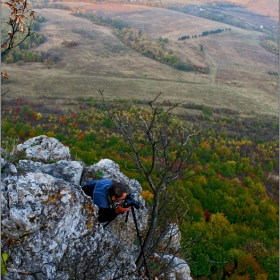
x,y
120,209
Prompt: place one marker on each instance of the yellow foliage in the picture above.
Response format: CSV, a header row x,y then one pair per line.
x,y
219,226
219,219
236,253
261,276
272,209
232,163
205,145
230,198
39,116
223,151
240,277
50,134
248,262
245,142
249,201
11,132
147,195
202,180
259,189
215,157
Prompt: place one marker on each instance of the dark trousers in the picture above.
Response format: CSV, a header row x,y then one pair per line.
x,y
88,190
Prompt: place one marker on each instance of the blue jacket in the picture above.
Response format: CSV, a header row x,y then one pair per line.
x,y
100,193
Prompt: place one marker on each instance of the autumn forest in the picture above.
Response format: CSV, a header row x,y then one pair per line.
x,y
231,193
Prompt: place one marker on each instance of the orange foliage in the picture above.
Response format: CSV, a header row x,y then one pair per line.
x,y
32,134
246,263
207,215
62,120
229,267
240,277
147,195
205,145
81,136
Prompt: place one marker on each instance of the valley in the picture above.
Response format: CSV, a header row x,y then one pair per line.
x,y
238,78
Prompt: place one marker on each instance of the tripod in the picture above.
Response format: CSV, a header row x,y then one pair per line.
x,y
139,237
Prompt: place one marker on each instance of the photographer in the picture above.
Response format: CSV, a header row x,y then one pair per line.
x,y
108,196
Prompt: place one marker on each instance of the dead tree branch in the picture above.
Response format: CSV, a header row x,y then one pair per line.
x,y
167,139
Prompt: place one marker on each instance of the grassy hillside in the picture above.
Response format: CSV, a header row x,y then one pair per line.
x,y
268,8
239,76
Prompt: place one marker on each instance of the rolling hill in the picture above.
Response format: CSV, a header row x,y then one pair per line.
x,y
239,66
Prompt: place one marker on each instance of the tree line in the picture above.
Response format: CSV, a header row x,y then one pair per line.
x,y
270,46
204,33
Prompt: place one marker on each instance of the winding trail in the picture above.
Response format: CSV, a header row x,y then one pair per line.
x,y
213,67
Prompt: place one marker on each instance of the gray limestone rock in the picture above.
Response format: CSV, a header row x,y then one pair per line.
x,y
171,238
70,171
3,163
8,170
50,228
178,268
44,149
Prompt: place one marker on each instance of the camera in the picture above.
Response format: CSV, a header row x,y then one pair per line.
x,y
130,201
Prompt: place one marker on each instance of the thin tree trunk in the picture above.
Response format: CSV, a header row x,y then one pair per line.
x,y
152,229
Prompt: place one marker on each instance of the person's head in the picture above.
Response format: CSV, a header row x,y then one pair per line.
x,y
118,191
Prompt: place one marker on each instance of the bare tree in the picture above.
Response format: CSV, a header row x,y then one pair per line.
x,y
166,139
19,26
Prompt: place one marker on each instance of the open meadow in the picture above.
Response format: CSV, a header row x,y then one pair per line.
x,y
239,65
268,8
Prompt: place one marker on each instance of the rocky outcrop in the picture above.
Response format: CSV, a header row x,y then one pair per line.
x,y
49,226
178,269
125,230
69,171
45,149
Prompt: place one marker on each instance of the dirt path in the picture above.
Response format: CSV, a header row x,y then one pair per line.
x,y
213,67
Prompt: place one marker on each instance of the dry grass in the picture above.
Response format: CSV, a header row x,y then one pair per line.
x,y
186,2
239,65
265,7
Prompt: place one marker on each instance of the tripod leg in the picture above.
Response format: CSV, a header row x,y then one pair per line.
x,y
126,216
140,241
